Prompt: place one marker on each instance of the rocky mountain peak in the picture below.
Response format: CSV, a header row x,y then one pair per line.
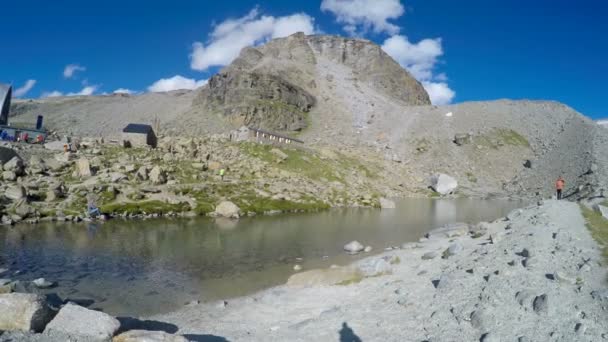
x,y
275,85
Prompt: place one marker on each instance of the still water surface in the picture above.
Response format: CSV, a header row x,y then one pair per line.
x,y
155,266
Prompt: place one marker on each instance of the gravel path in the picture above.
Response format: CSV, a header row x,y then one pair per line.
x,y
533,277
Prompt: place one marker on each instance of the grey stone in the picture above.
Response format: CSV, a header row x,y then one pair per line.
x,y
15,192
541,304
227,209
15,165
603,210
42,283
462,139
489,337
429,255
76,320
454,249
9,176
83,168
116,177
354,247
23,311
449,231
158,175
443,183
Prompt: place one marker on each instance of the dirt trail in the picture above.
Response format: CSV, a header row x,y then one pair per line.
x,y
538,278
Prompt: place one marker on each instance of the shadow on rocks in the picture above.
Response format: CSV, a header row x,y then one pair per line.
x,y
204,338
347,334
130,323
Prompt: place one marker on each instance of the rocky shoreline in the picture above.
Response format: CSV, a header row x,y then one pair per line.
x,y
536,275
181,178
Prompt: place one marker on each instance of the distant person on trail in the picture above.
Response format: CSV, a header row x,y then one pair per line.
x,y
222,172
559,186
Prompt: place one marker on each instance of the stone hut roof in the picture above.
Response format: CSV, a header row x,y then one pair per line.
x,y
137,128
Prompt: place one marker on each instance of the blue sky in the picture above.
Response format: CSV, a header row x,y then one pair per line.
x,y
460,50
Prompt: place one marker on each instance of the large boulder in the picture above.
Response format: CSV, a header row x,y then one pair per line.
x,y
55,145
148,336
83,168
462,139
329,276
603,210
158,175
15,165
443,183
354,247
23,311
373,267
15,192
9,176
6,154
78,321
227,209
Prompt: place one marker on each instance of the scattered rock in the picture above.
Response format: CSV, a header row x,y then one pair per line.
x,y
443,183
454,249
9,176
42,283
227,209
23,311
603,210
76,320
354,247
375,267
83,168
462,139
368,249
297,268
142,173
541,304
15,192
158,175
15,165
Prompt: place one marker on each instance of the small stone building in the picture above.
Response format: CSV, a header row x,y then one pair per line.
x,y
138,135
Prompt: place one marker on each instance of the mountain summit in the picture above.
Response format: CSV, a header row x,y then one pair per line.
x,y
276,85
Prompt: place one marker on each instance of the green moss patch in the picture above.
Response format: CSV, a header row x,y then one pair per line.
x,y
598,226
501,137
144,207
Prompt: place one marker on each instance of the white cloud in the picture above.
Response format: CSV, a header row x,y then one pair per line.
x,y
123,91
174,83
71,69
232,35
363,15
54,93
420,60
29,84
86,91
439,92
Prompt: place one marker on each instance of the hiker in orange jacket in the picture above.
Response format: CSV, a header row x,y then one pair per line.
x,y
559,186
